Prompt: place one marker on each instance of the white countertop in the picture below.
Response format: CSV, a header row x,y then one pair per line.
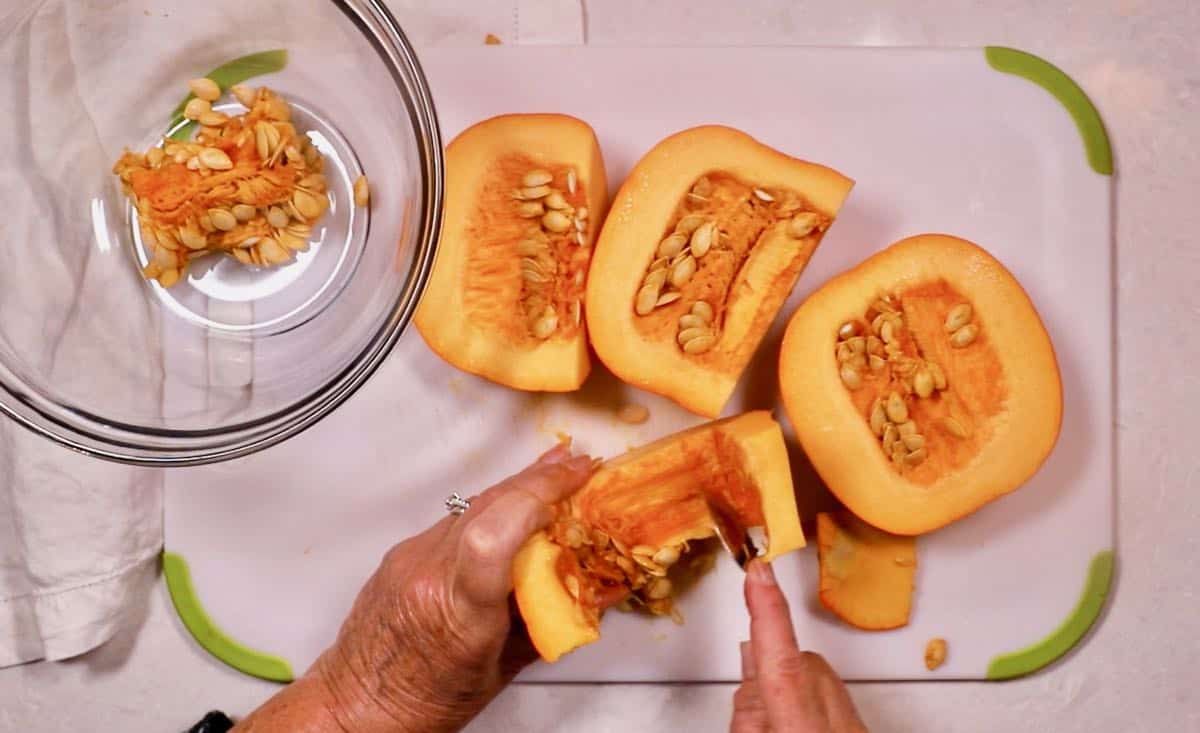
x,y
1137,59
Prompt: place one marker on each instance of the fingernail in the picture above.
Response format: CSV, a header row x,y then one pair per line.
x,y
761,573
557,454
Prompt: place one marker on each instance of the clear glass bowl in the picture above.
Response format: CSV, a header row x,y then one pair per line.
x,y
233,359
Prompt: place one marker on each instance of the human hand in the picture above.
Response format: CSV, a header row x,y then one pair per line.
x,y
430,640
785,690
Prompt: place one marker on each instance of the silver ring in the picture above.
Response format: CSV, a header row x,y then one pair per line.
x,y
456,505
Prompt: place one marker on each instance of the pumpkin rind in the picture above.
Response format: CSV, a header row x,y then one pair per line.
x,y
643,208
622,490
835,434
560,363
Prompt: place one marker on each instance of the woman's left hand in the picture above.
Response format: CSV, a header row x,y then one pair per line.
x,y
431,638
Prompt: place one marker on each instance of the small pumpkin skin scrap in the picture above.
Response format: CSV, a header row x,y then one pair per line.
x,y
525,194
866,574
653,497
951,400
709,219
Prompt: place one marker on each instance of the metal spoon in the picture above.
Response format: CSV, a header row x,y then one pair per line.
x,y
730,532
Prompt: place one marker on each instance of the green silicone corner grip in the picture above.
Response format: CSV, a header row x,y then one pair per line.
x,y
1067,92
1067,635
206,632
228,74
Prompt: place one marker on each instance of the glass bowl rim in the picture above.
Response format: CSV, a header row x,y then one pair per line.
x,y
95,436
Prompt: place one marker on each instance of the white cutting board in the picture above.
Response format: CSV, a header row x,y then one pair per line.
x,y
279,543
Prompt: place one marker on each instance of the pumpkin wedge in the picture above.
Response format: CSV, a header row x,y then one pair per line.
x,y
704,242
524,194
634,526
866,574
921,384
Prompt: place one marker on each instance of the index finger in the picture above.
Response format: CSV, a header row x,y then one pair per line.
x,y
783,673
491,539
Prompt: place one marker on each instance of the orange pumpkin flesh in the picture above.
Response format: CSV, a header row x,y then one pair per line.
x,y
704,242
504,300
921,384
866,574
626,535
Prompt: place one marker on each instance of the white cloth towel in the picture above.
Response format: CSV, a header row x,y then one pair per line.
x,y
79,538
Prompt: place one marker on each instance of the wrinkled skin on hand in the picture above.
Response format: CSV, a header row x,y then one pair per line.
x,y
785,690
433,637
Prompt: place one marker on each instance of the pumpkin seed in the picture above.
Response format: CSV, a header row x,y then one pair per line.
x,y
571,180
277,217
954,427
213,119
687,334
690,320
908,427
923,383
658,278
243,212
666,556
703,309
857,344
935,654
206,224
155,157
168,277
530,193
191,238
878,418
887,332
222,219
667,298
897,411
914,441
580,239
658,589
702,238
537,177
530,209
683,254
243,94
899,453
689,223
659,264
851,377
916,457
964,336
546,325
803,224
762,195
877,323
308,204
858,361
876,362
273,252
555,200
702,186
533,276
683,271
582,214
574,535
599,539
195,108
672,245
646,299
194,164
362,191
848,329
633,414
959,316
890,436
576,311
939,376
700,344
556,222
572,586
843,352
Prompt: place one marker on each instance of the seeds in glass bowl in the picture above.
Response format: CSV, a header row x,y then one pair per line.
x,y
249,186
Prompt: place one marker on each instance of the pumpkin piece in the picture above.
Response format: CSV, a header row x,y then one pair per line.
x,y
866,575
524,194
921,383
637,528
708,235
